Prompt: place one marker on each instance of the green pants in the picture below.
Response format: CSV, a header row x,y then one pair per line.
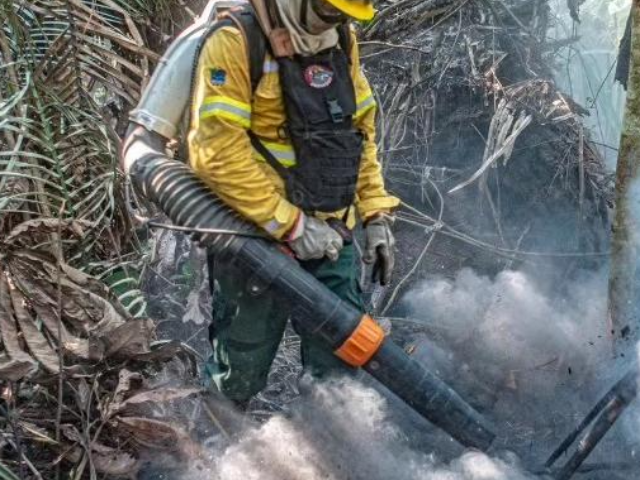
x,y
246,329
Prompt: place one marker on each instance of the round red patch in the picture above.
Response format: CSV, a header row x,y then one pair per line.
x,y
318,76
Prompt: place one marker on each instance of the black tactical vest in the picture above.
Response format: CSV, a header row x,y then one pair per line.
x,y
319,99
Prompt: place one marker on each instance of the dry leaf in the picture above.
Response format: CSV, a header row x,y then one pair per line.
x,y
31,228
159,395
109,319
193,311
129,339
13,370
117,464
14,187
96,287
151,433
39,434
72,433
8,327
164,352
125,379
86,306
168,350
9,333
34,338
83,394
79,347
107,460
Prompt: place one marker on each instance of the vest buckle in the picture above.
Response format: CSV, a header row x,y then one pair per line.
x,y
335,110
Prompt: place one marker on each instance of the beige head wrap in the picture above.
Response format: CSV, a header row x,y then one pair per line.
x,y
316,37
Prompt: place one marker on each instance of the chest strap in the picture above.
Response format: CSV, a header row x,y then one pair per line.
x,y
268,156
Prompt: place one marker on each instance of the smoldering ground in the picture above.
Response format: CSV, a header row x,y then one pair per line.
x,y
341,430
533,354
533,357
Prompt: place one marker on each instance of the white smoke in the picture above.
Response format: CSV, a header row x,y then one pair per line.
x,y
341,430
535,355
514,323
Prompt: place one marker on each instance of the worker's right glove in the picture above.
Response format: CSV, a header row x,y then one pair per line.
x,y
312,238
379,245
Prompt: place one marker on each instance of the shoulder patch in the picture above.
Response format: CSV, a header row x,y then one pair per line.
x,y
217,77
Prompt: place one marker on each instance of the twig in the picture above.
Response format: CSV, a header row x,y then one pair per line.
x,y
453,48
393,45
519,127
408,275
215,420
449,231
32,467
9,62
604,81
388,11
581,172
86,427
436,226
8,414
59,255
518,243
514,17
191,13
26,462
198,332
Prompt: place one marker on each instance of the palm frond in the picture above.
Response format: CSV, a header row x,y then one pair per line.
x,y
6,473
73,68
125,280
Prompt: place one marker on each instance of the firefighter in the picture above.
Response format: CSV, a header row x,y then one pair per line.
x,y
294,152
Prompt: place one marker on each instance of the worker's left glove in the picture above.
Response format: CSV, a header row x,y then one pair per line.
x,y
379,245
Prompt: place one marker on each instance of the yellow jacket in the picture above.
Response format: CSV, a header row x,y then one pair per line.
x,y
220,149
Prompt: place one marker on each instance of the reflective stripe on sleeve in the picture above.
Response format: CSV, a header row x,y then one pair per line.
x,y
364,102
227,108
282,152
271,226
270,66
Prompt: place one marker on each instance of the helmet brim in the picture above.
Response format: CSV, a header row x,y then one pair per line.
x,y
359,11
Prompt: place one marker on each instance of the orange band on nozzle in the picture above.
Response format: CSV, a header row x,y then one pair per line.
x,y
363,343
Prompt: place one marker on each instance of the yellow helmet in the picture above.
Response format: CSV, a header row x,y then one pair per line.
x,y
358,9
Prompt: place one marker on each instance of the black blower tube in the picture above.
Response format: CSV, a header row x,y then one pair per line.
x,y
188,202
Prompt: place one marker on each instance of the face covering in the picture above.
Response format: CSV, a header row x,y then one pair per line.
x,y
309,35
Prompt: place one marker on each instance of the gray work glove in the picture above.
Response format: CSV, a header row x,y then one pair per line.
x,y
379,245
312,238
